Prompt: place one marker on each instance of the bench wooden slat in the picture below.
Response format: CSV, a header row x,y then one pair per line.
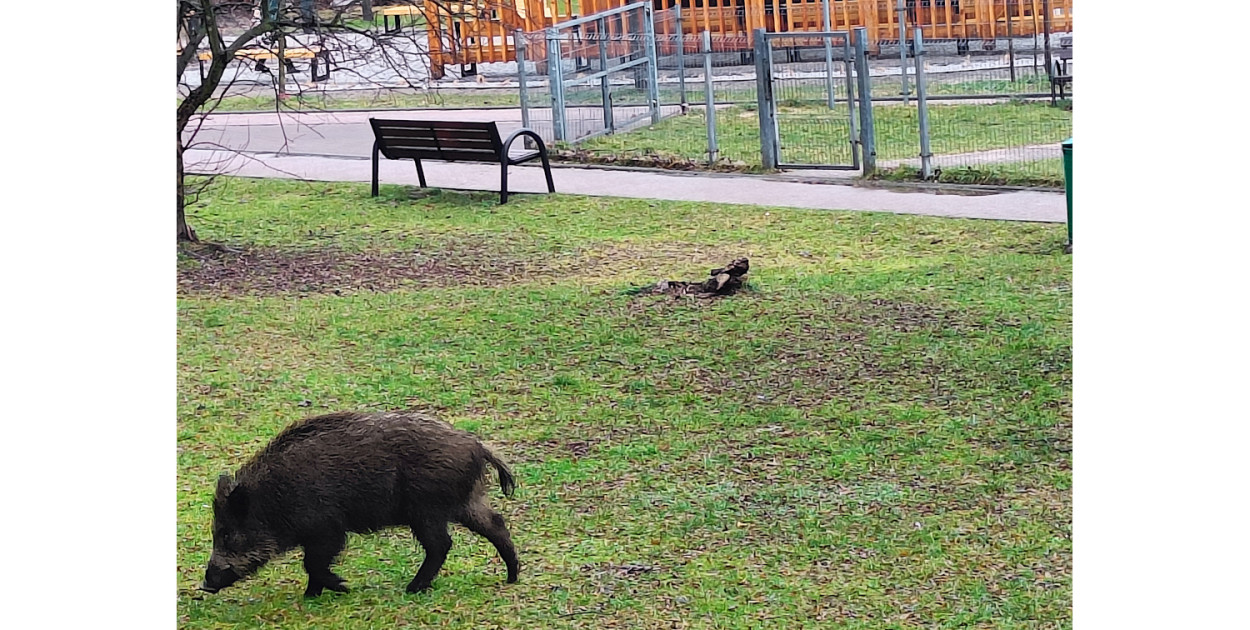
x,y
487,151
436,132
405,132
263,53
398,10
446,155
453,142
445,124
467,132
449,154
467,155
393,147
408,153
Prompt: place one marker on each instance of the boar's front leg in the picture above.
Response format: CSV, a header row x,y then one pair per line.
x,y
433,536
318,555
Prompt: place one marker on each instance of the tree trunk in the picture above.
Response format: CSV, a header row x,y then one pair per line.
x,y
185,231
366,10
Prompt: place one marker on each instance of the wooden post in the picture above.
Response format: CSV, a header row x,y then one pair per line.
x,y
434,39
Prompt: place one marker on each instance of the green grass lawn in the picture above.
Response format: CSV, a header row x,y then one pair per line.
x,y
877,434
817,135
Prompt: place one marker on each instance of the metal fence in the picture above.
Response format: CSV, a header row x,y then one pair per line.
x,y
988,111
993,124
597,75
988,120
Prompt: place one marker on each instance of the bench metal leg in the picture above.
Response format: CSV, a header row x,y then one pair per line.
x,y
324,57
420,172
503,179
375,169
542,154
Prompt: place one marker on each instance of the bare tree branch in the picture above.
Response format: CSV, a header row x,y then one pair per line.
x,y
371,57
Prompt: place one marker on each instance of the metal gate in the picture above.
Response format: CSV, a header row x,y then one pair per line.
x,y
601,71
806,91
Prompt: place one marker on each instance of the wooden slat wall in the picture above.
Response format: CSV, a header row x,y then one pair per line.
x,y
487,38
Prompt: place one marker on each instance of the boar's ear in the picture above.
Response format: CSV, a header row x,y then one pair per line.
x,y
233,495
224,485
237,501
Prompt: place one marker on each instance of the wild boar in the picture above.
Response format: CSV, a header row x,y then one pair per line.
x,y
325,476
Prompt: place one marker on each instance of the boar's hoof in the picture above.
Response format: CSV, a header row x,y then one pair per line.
x,y
315,588
413,587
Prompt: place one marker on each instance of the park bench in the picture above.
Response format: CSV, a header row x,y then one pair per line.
x,y
398,12
1061,74
316,54
452,141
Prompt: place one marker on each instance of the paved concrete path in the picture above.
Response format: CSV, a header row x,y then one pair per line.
x,y
347,134
336,147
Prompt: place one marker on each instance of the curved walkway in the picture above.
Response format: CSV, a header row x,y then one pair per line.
x,y
336,147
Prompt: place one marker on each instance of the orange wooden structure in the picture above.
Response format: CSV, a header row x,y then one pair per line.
x,y
481,31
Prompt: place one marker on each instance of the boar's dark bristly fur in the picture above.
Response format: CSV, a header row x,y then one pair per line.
x,y
352,472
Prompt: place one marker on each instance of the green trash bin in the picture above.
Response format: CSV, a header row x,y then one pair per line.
x,y
1067,181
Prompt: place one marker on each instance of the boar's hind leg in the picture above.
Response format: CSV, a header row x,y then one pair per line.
x,y
433,536
317,558
482,520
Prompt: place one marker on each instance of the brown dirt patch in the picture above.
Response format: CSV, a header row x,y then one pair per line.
x,y
268,271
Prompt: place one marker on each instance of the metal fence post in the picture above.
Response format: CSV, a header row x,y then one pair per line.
x,y
867,135
901,9
1011,44
709,100
765,101
653,74
681,59
555,72
605,90
825,22
848,64
518,38
926,156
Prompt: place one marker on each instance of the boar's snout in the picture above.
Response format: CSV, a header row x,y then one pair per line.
x,y
218,575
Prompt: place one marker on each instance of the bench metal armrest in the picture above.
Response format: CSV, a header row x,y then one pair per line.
x,y
505,161
507,144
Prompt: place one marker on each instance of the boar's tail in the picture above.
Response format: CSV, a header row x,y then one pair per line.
x,y
507,482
